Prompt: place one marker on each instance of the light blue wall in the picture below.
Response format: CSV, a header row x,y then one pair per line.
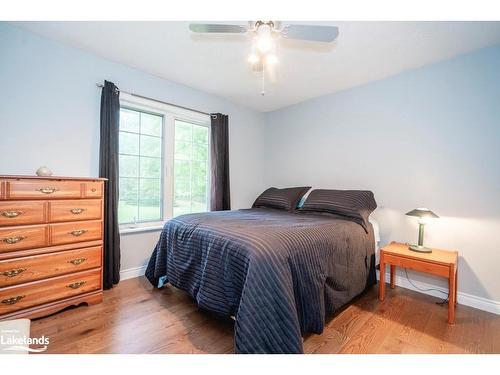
x,y
426,137
49,111
49,115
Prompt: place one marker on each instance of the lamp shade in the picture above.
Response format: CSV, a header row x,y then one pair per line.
x,y
422,212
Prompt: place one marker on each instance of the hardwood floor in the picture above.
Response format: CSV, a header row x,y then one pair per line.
x,y
135,318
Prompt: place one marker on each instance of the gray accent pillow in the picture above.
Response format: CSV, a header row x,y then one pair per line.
x,y
354,204
284,199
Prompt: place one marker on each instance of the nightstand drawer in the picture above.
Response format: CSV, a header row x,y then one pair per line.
x,y
417,265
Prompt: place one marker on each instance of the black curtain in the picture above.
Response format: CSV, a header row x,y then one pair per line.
x,y
219,159
108,168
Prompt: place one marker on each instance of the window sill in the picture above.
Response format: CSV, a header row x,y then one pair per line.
x,y
152,228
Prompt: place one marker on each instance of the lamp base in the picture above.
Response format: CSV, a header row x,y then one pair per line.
x,y
420,249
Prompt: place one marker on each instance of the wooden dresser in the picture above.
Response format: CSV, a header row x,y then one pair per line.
x,y
51,241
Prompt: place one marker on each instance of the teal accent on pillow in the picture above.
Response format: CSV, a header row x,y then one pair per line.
x,y
301,202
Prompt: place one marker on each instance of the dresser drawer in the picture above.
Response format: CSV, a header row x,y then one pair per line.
x,y
75,232
17,213
24,237
43,189
82,209
93,189
22,270
18,297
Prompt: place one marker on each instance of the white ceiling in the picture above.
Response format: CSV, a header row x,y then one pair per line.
x,y
363,52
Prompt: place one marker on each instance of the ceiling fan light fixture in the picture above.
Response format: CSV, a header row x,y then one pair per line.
x,y
263,39
271,59
253,58
264,43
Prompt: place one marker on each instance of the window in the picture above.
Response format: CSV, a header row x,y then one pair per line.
x,y
140,162
190,168
164,162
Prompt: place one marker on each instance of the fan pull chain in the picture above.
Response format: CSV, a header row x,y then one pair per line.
x,y
263,92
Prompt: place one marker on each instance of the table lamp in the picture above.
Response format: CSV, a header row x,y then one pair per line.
x,y
422,214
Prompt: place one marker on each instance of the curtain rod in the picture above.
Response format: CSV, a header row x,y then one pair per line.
x,y
159,101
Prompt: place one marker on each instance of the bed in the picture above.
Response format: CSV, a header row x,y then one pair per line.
x,y
281,274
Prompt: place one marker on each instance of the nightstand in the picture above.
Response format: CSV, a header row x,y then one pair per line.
x,y
440,262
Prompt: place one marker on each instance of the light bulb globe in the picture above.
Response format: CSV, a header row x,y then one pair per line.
x,y
253,58
271,59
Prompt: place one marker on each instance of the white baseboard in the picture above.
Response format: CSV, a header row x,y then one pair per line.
x,y
462,298
130,273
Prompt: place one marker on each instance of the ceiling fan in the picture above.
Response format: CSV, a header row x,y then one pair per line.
x,y
264,38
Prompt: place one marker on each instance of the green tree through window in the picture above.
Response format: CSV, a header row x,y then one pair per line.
x,y
140,162
190,168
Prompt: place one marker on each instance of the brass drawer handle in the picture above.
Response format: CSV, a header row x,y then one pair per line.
x,y
78,232
13,240
47,190
12,300
93,190
77,211
14,272
11,214
77,261
76,285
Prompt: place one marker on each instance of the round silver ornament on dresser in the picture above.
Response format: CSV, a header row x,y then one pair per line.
x,y
43,172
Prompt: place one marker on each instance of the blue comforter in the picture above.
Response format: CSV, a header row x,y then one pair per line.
x,y
280,274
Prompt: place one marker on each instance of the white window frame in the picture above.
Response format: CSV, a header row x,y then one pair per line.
x,y
170,113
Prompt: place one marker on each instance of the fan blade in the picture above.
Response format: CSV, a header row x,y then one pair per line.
x,y
214,28
311,32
